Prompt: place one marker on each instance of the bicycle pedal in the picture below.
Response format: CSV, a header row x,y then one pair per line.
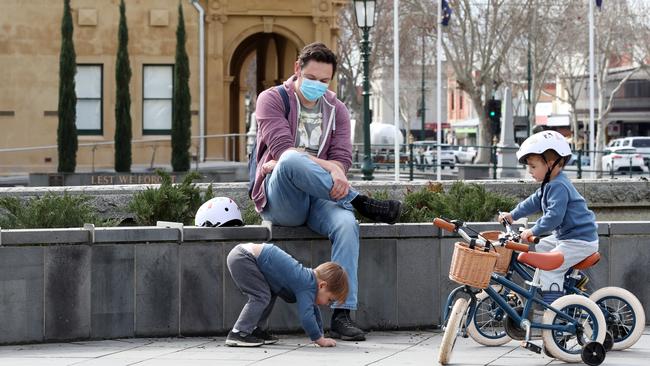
x,y
531,347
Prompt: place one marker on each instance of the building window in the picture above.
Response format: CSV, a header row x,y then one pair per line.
x,y
88,87
157,88
453,97
461,102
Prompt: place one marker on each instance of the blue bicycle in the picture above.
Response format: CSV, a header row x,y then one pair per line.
x,y
623,311
573,327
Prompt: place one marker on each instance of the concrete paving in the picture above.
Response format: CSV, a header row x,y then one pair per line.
x,y
381,348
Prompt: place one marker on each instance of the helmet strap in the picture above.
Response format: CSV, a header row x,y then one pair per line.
x,y
547,176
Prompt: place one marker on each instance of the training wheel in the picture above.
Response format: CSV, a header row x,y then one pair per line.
x,y
608,343
593,354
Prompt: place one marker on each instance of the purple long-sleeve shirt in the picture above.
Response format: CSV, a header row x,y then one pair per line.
x,y
276,134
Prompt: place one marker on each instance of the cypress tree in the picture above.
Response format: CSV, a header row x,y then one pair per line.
x,y
181,117
66,134
122,98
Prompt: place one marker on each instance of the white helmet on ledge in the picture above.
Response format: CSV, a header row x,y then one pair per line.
x,y
542,141
218,211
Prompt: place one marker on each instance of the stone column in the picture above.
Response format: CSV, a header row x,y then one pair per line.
x,y
507,149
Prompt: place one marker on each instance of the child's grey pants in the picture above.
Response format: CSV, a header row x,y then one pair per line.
x,y
574,252
251,282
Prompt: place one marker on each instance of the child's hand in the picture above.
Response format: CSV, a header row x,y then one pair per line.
x,y
526,234
505,216
325,342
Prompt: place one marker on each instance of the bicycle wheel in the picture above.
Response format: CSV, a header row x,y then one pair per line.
x,y
456,317
624,315
486,327
567,346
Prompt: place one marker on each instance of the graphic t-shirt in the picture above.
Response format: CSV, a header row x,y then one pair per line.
x,y
310,128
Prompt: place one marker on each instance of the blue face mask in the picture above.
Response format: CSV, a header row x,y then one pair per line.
x,y
312,89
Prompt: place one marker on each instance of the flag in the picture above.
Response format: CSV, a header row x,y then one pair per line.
x,y
599,4
446,12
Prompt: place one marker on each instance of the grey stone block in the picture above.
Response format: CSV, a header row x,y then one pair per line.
x,y
156,290
629,228
629,258
418,282
446,285
254,233
281,233
44,236
136,234
67,292
201,288
603,228
21,294
112,292
378,284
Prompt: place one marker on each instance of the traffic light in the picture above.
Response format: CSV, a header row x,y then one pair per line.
x,y
493,111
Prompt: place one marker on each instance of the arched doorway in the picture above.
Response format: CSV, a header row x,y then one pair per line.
x,y
260,61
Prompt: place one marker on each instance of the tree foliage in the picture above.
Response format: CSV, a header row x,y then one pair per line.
x,y
181,115
67,110
122,98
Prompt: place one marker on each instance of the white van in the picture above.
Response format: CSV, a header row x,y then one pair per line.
x,y
640,143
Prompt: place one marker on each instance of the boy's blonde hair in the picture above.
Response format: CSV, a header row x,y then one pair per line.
x,y
336,278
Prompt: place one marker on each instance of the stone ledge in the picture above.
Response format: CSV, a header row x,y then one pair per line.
x,y
258,233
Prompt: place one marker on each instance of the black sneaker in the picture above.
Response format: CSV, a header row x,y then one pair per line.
x,y
387,211
344,328
240,340
265,336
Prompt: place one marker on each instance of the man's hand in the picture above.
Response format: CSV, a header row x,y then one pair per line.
x,y
325,342
268,167
340,186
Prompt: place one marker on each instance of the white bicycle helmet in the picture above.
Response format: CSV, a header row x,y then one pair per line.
x,y
218,211
542,141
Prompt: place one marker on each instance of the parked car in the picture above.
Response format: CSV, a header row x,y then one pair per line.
x,y
623,159
464,154
640,143
425,154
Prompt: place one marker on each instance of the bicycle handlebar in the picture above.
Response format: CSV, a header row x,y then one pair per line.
x,y
519,247
441,223
533,239
446,225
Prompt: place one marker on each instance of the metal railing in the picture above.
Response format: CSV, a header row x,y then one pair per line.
x,y
413,159
231,147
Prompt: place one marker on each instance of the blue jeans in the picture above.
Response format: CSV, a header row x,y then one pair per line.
x,y
298,192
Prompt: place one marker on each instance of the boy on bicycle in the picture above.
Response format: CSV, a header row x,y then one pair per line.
x,y
564,210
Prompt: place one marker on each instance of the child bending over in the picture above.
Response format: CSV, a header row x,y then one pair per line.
x,y
263,272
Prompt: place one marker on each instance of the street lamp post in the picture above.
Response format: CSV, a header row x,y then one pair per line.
x,y
364,10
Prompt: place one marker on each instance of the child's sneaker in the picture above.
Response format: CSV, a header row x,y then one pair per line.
x,y
241,339
265,336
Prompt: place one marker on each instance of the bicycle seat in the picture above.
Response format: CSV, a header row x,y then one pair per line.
x,y
588,262
544,261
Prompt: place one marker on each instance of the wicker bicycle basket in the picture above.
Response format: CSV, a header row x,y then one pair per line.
x,y
505,254
472,267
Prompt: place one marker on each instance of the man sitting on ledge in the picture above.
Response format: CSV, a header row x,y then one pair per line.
x,y
301,169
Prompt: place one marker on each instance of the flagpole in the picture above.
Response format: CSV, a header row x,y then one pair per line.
x,y
396,87
592,154
439,91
